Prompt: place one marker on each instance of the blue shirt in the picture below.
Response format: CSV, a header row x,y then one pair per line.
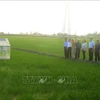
x,y
91,44
65,44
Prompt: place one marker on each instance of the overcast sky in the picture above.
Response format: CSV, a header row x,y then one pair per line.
x,y
47,17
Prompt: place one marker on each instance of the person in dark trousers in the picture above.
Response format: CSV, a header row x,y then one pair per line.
x,y
84,48
69,46
65,47
91,49
97,50
78,47
73,48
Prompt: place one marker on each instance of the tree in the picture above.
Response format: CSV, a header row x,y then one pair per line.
x,y
21,33
36,33
26,33
1,33
60,34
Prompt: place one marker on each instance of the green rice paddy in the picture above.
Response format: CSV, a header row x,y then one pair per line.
x,y
25,64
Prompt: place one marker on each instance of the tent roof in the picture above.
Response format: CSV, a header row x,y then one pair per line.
x,y
4,42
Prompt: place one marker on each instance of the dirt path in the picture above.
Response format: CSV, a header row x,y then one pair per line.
x,y
37,52
47,54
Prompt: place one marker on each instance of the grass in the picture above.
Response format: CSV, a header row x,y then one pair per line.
x,y
42,44
12,86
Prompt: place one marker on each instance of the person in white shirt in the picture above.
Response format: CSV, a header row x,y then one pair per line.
x,y
91,48
65,47
84,48
69,46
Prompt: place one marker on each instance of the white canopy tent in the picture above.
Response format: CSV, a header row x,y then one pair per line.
x,y
4,48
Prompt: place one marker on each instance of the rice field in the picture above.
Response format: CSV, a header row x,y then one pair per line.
x,y
31,76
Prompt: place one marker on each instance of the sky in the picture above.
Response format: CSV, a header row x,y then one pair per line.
x,y
49,17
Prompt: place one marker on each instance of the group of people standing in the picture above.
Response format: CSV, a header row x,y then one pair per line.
x,y
73,48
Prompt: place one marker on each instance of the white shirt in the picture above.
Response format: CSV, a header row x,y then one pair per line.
x,y
84,46
91,44
69,44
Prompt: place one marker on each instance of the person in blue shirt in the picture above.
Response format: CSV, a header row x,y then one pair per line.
x,y
65,47
97,51
91,49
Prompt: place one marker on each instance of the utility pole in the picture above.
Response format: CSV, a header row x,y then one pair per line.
x,y
69,25
66,23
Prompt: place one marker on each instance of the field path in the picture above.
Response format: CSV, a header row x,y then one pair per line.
x,y
47,54
37,52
